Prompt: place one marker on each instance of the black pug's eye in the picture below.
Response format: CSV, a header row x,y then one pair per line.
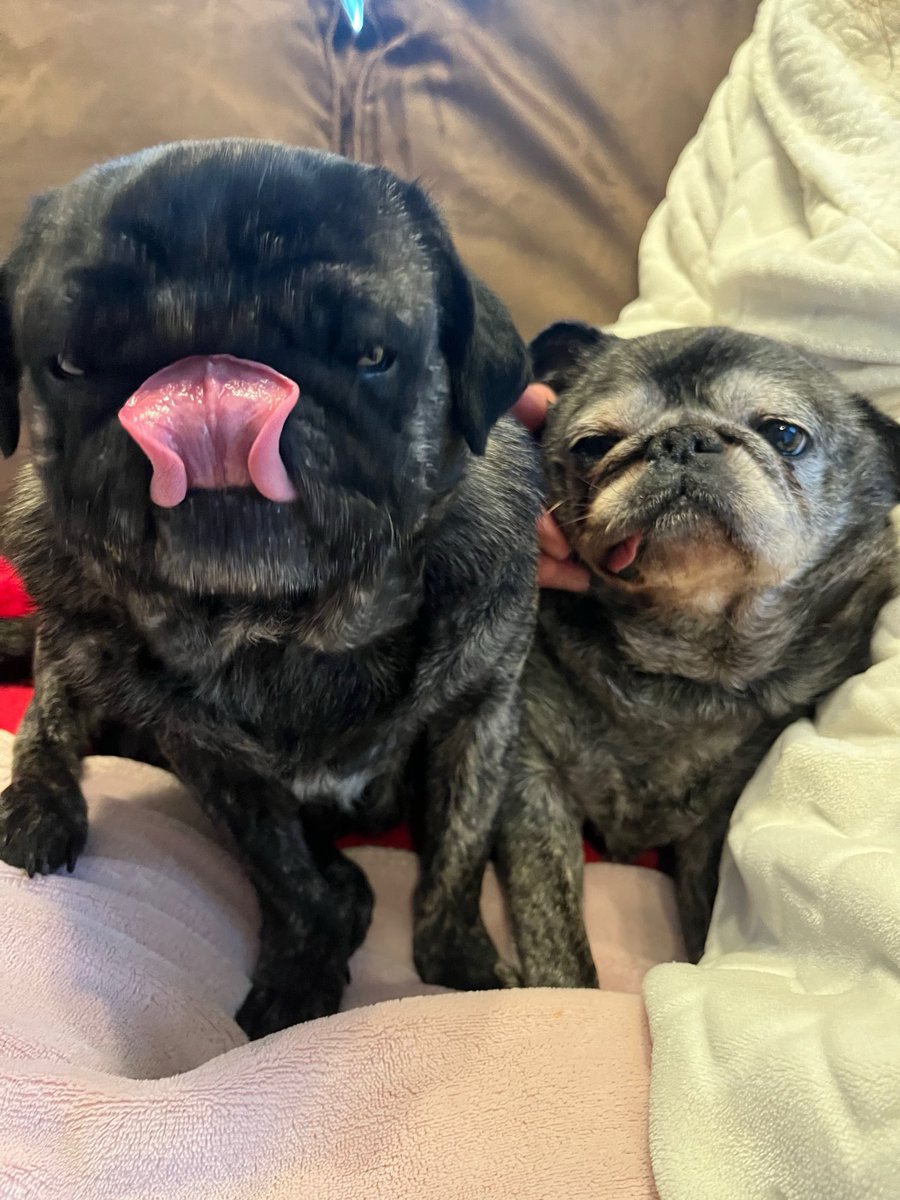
x,y
787,438
595,446
375,361
62,367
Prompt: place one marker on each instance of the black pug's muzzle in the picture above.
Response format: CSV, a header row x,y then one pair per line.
x,y
225,505
213,422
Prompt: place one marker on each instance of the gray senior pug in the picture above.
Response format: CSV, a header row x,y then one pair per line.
x,y
731,501
266,522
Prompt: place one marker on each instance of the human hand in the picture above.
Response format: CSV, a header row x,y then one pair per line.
x,y
556,568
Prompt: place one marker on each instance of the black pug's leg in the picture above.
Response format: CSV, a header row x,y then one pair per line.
x,y
697,859
312,921
354,895
308,934
465,779
540,860
314,913
43,817
352,891
301,971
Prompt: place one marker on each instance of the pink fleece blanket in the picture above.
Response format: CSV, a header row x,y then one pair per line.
x,y
124,1077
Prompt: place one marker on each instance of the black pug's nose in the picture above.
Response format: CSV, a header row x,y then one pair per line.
x,y
682,443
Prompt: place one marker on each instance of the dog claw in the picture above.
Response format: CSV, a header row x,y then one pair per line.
x,y
41,828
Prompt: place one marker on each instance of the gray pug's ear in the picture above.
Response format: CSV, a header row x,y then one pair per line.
x,y
485,356
887,432
559,352
9,373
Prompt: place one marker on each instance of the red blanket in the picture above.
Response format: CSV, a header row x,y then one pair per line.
x,y
14,698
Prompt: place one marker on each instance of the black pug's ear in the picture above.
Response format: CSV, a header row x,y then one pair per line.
x,y
485,356
888,433
9,374
558,352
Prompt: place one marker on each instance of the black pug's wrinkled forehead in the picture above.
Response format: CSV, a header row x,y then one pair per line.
x,y
252,246
274,250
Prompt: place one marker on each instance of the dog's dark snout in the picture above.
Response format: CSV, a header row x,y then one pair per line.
x,y
683,442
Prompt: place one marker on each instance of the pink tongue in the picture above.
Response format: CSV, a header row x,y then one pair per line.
x,y
623,554
212,422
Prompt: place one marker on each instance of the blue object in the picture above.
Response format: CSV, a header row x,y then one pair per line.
x,y
355,14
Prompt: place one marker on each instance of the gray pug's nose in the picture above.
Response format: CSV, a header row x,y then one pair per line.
x,y
682,443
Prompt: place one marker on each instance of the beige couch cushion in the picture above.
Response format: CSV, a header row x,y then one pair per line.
x,y
547,131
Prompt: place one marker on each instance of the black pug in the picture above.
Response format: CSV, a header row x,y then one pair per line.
x,y
265,521
732,502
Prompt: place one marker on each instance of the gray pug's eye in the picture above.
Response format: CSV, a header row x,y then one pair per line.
x,y
596,445
62,367
375,360
787,438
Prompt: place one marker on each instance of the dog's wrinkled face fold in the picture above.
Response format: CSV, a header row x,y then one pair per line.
x,y
313,330
692,468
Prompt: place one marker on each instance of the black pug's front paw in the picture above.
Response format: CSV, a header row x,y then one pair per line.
x,y
307,992
42,825
461,958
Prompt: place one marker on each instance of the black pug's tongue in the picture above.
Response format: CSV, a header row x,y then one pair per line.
x,y
212,422
622,555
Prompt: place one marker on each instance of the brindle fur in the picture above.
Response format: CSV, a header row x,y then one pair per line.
x,y
286,657
17,637
645,710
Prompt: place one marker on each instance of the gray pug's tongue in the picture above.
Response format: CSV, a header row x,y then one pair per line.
x,y
212,422
623,554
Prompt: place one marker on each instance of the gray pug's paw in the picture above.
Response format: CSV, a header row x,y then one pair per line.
x,y
461,958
